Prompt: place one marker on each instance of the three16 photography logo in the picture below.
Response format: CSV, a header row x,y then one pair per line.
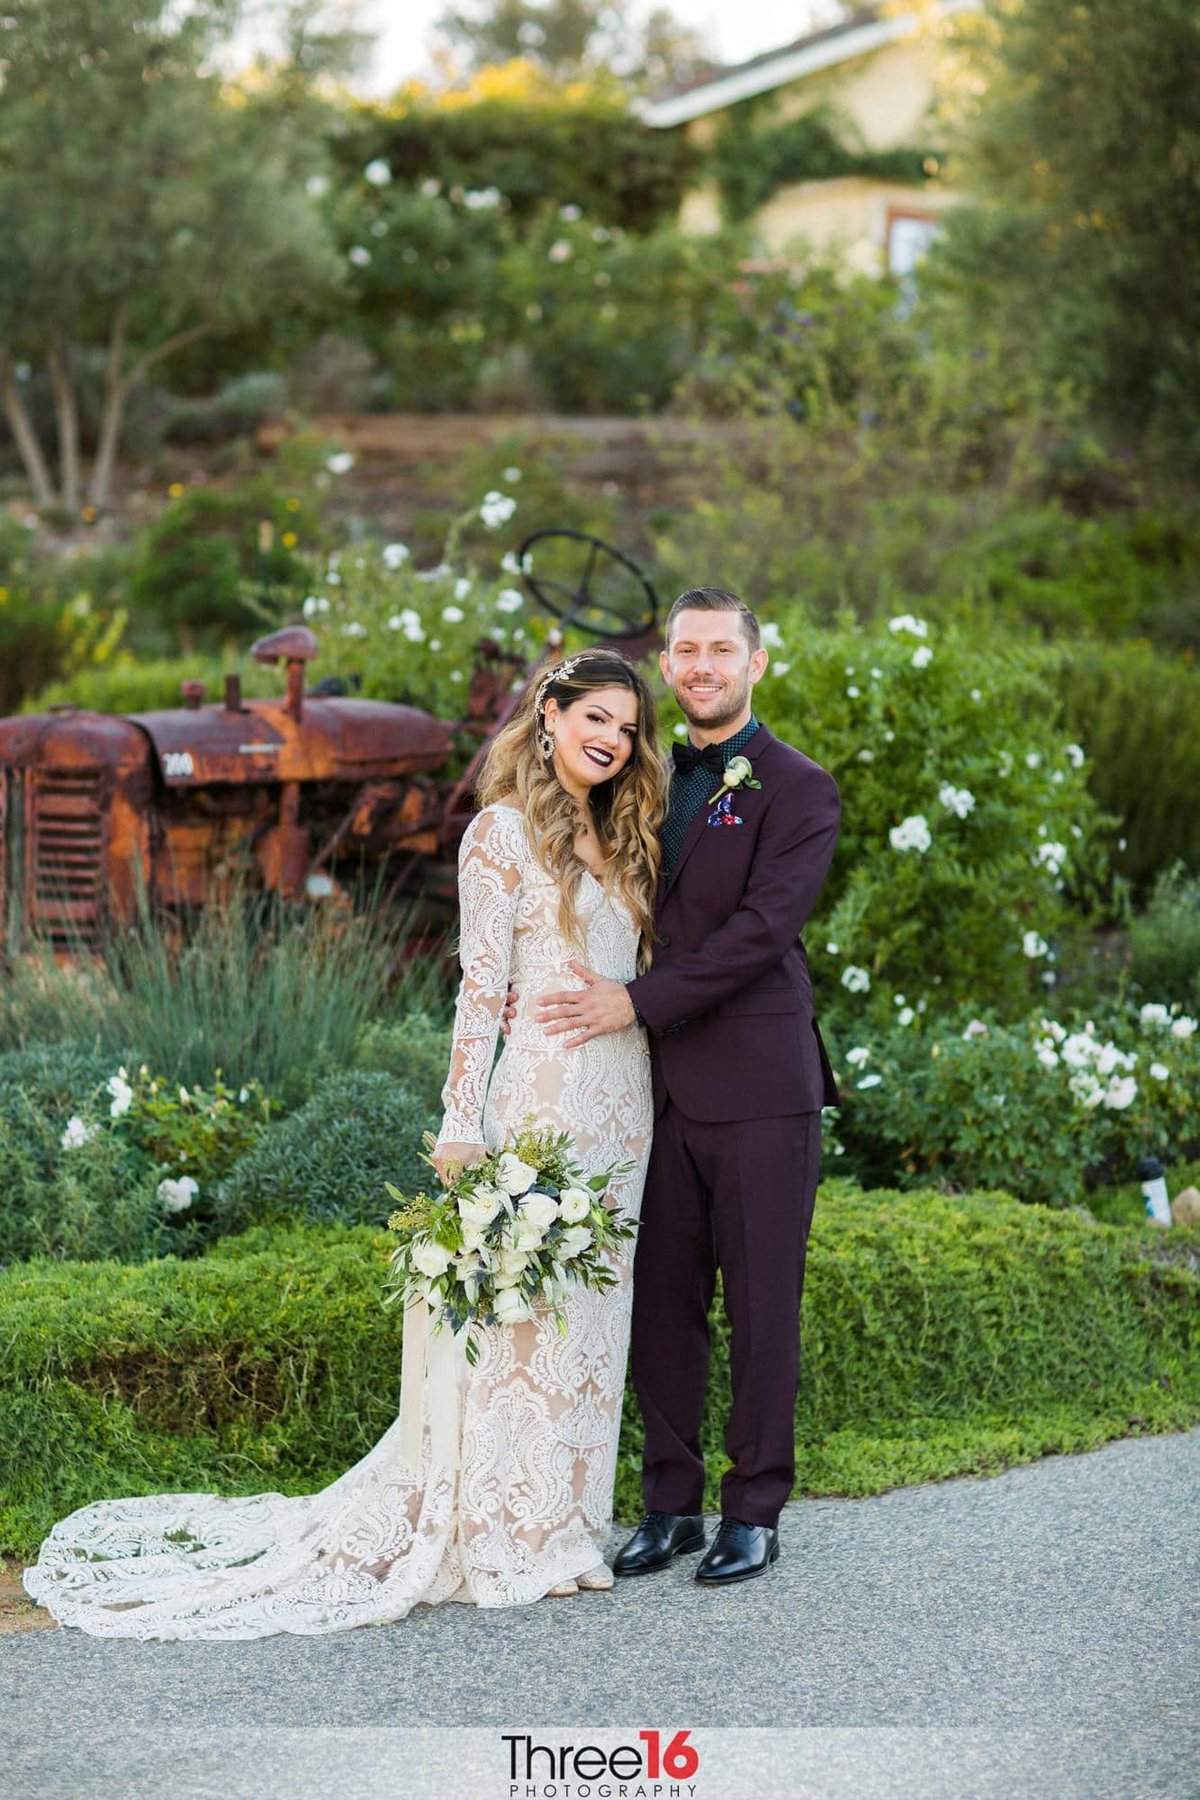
x,y
659,1766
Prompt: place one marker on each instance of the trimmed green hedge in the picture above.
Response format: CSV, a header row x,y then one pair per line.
x,y
942,1337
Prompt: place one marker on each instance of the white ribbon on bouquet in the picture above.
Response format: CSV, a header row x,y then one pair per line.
x,y
428,1388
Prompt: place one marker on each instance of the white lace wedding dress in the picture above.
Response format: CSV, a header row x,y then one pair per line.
x,y
530,1500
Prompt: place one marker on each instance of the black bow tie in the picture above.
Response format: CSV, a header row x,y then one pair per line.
x,y
687,758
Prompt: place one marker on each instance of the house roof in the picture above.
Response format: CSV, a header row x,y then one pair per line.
x,y
862,30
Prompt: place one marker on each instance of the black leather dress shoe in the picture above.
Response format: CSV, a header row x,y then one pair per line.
x,y
738,1551
659,1537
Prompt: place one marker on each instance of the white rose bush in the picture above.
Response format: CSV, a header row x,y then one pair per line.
x,y
971,851
1043,1107
394,631
505,1240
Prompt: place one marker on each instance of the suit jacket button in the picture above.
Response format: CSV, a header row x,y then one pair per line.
x,y
664,942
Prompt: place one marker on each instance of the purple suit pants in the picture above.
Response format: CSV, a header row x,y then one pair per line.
x,y
737,1197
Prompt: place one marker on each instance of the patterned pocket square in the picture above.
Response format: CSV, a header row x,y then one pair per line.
x,y
723,813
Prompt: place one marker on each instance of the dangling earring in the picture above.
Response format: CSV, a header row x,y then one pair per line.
x,y
545,739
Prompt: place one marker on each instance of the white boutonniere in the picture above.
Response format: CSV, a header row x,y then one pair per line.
x,y
739,773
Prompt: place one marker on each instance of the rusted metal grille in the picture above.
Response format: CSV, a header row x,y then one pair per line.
x,y
65,855
4,855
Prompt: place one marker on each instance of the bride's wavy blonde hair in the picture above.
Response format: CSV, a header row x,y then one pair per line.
x,y
627,812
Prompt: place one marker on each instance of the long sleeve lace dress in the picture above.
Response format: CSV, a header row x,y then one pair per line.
x,y
525,1501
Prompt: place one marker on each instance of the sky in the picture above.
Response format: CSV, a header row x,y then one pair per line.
x,y
735,29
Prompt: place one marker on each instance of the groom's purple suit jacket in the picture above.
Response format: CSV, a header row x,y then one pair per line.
x,y
728,1001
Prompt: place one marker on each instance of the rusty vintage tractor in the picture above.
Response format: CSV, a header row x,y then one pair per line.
x,y
292,796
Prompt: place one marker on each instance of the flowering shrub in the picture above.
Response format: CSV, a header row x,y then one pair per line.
x,y
411,634
190,1130
1035,1107
966,825
191,1135
610,320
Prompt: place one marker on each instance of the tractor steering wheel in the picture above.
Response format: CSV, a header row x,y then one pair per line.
x,y
584,582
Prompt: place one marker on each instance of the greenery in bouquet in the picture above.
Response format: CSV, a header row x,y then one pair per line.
x,y
507,1237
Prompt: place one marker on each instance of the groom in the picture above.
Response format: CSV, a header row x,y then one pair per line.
x,y
740,1076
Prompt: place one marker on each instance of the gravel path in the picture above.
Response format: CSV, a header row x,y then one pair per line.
x,y
1031,1634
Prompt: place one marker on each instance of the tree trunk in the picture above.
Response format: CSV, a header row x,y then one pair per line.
x,y
68,423
25,437
100,485
119,382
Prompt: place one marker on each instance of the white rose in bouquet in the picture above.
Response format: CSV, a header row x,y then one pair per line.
x,y
515,1176
574,1204
481,1207
511,1307
527,1228
508,1267
431,1259
539,1210
574,1240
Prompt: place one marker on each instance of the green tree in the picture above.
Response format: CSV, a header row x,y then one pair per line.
x,y
567,36
143,205
1082,156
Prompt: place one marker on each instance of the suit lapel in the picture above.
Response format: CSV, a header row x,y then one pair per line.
x,y
696,829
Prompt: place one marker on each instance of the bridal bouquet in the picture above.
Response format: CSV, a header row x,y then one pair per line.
x,y
507,1236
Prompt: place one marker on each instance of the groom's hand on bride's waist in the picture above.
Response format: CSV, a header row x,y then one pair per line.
x,y
579,1014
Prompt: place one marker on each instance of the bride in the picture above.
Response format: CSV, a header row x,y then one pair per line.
x,y
561,862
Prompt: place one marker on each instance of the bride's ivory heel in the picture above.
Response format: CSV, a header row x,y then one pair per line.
x,y
562,1589
597,1580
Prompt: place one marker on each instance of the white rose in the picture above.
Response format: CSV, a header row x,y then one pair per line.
x,y
122,1095
514,1176
430,1258
1160,1071
496,509
574,1241
511,1307
1155,1014
177,1196
539,1211
525,1234
737,770
509,1266
959,801
479,1208
912,833
1120,1093
77,1133
574,1204
1183,1028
